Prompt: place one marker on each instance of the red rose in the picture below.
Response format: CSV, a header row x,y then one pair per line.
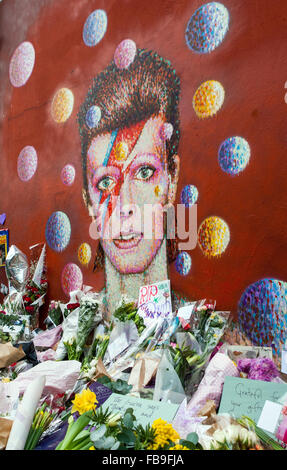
x,y
73,306
3,312
28,308
27,299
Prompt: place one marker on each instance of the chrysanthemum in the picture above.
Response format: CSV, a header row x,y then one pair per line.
x,y
164,433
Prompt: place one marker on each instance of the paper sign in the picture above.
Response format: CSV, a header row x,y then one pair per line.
x,y
155,301
145,411
247,397
269,416
284,361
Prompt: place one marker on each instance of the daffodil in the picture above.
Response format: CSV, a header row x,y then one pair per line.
x,y
84,401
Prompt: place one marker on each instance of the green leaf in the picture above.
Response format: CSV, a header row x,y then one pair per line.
x,y
98,433
187,444
105,443
192,437
116,445
127,436
128,420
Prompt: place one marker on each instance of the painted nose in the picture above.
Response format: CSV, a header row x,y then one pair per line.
x,y
126,200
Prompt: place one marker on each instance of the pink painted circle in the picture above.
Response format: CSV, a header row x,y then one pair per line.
x,y
125,53
72,278
22,64
68,174
27,163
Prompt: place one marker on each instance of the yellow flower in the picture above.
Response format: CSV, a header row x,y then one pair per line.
x,y
84,401
5,380
92,448
164,433
178,447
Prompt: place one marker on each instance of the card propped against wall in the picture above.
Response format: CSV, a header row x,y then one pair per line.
x,y
155,301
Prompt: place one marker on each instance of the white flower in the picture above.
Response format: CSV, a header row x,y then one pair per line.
x,y
114,419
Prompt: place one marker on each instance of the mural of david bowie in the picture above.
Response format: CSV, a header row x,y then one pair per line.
x,y
130,159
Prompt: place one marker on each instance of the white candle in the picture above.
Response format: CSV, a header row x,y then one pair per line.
x,y
25,414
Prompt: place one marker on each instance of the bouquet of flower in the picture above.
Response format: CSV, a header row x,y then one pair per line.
x,y
42,420
87,319
128,311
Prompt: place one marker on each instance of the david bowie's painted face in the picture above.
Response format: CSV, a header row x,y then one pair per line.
x,y
127,170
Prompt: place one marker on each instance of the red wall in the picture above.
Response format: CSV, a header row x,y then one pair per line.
x,y
250,64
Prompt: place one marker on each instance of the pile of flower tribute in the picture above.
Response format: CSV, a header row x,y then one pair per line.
x,y
67,372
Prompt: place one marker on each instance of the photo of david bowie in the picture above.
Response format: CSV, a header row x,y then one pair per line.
x,y
129,160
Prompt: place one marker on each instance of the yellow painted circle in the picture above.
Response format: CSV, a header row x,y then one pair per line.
x,y
213,236
84,253
208,99
62,105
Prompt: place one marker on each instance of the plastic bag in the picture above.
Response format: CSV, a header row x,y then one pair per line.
x,y
168,387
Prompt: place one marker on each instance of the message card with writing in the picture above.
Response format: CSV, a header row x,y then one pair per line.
x,y
145,411
247,397
155,301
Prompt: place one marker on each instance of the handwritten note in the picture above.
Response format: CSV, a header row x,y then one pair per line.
x,y
247,397
146,411
155,301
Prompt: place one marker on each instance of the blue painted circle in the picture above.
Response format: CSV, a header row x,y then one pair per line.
x,y
262,313
207,27
183,263
95,28
58,231
189,195
93,116
233,155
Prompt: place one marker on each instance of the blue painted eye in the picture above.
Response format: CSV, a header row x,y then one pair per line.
x,y
106,183
145,173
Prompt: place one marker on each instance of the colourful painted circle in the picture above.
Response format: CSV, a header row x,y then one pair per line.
x,y
72,278
68,174
84,253
62,105
234,155
207,27
125,54
183,263
58,231
95,27
208,99
93,116
189,195
213,236
22,64
262,313
27,163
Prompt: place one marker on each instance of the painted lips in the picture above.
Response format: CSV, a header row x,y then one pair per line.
x,y
127,241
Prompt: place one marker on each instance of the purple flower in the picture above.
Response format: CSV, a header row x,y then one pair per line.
x,y
259,369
